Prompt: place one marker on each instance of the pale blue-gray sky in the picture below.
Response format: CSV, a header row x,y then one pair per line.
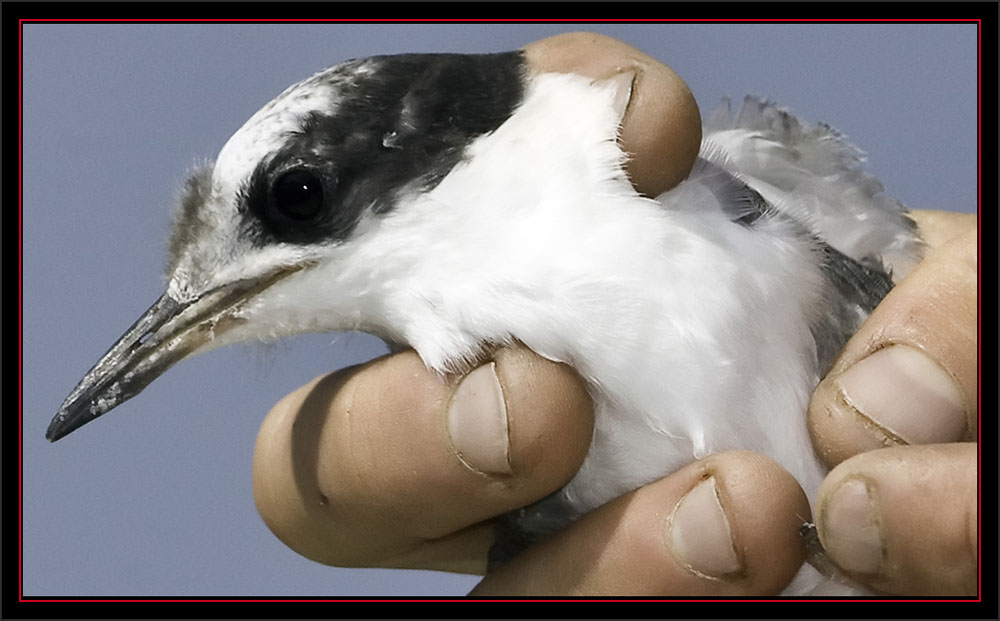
x,y
155,499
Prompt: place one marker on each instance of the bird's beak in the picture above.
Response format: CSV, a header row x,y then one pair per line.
x,y
168,332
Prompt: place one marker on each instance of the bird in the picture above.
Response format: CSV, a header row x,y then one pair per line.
x,y
458,203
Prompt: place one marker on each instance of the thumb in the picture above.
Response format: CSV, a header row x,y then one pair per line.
x,y
904,519
661,129
909,375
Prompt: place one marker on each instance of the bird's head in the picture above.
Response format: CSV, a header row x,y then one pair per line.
x,y
308,211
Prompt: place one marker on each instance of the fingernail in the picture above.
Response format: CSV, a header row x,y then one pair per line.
x,y
906,394
699,533
849,529
477,422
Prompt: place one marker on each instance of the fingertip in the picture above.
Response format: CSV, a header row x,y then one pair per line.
x,y
385,462
550,416
661,129
725,525
909,375
837,429
523,421
766,508
904,519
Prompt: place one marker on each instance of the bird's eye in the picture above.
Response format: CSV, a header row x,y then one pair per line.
x,y
298,195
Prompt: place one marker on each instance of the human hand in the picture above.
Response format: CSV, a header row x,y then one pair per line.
x,y
898,413
387,464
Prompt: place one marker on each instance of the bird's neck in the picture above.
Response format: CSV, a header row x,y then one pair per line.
x,y
530,222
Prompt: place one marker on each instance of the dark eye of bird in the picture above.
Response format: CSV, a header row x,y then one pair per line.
x,y
297,195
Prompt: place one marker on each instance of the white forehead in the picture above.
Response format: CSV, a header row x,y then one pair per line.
x,y
265,131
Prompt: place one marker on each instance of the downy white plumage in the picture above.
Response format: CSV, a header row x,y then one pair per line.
x,y
366,198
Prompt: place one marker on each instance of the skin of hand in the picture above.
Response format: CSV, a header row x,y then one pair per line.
x,y
389,465
897,419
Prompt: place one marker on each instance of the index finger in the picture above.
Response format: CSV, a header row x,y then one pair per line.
x,y
389,464
661,129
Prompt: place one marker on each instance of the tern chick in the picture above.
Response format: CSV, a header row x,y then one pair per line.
x,y
459,203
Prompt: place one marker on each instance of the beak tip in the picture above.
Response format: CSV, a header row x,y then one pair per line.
x,y
57,428
67,420
52,433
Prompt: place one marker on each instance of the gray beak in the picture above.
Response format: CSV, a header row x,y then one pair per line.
x,y
130,365
165,334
